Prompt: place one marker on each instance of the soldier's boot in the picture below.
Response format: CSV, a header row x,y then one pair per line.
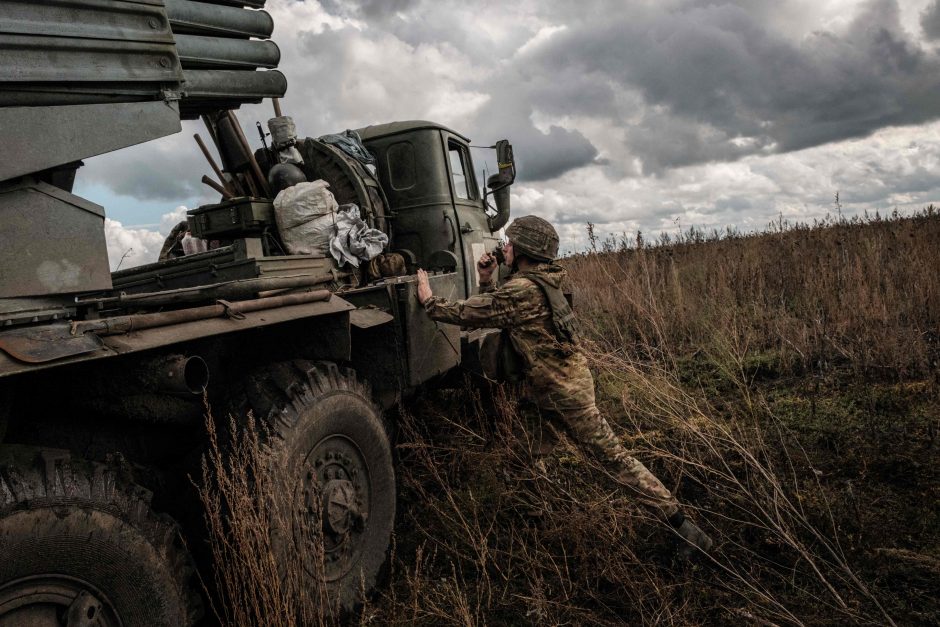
x,y
693,536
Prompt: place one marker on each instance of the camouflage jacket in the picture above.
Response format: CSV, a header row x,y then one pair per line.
x,y
520,306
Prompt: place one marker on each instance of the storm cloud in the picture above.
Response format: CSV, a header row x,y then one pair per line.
x,y
642,115
718,84
930,20
714,81
168,170
369,9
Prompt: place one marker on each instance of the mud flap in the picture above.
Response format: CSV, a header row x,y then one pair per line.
x,y
36,345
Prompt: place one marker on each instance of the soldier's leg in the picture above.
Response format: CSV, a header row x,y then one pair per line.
x,y
567,391
593,431
572,403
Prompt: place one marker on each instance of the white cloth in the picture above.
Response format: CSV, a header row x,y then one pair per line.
x,y
353,240
194,245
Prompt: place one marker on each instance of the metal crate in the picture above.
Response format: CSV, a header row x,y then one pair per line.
x,y
232,218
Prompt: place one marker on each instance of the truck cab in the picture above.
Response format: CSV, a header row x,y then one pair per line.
x,y
439,218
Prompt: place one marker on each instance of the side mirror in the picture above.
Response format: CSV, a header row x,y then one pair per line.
x,y
507,166
499,183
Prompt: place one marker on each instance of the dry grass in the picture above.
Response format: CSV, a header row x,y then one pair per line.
x,y
266,543
500,535
862,292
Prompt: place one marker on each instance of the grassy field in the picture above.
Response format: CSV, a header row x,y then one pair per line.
x,y
785,385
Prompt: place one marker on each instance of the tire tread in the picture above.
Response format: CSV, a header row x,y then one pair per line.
x,y
35,479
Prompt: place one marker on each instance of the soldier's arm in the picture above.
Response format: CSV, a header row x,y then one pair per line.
x,y
487,286
498,308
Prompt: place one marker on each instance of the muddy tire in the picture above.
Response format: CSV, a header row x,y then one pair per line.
x,y
327,428
79,545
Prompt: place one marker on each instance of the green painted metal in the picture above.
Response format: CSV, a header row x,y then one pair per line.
x,y
377,131
69,52
254,4
199,52
44,137
53,242
110,20
200,18
209,90
416,163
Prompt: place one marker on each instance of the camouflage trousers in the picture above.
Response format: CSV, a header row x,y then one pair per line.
x,y
570,401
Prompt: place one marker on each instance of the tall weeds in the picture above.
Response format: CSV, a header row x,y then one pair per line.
x,y
862,293
265,539
752,481
499,533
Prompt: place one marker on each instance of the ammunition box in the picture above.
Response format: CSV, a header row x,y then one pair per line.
x,y
232,218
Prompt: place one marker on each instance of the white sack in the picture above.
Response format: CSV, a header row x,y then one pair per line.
x,y
305,214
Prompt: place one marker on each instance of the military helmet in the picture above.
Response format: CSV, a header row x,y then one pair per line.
x,y
284,175
534,237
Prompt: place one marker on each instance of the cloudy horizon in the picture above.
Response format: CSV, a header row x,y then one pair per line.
x,y
650,116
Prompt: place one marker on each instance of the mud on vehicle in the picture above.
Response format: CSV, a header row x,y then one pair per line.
x,y
103,376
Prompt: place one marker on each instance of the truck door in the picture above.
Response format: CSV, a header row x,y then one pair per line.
x,y
470,224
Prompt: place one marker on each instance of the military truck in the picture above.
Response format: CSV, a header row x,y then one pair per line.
x,y
103,377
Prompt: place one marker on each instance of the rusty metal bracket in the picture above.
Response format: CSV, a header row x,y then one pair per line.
x,y
230,311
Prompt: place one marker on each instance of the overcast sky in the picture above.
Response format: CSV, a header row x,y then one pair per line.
x,y
653,115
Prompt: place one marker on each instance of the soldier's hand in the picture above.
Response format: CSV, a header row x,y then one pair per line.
x,y
485,266
424,287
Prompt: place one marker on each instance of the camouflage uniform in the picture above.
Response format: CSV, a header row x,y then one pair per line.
x,y
556,370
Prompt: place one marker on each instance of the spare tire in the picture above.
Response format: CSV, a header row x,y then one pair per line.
x,y
349,180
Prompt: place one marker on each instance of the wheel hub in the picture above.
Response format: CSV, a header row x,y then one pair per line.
x,y
55,601
337,490
340,507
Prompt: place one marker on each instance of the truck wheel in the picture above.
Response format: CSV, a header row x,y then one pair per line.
x,y
79,545
332,435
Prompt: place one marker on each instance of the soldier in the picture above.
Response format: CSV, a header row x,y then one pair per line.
x,y
541,328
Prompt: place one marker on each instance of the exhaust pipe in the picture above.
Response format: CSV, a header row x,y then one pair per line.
x,y
162,390
179,375
501,196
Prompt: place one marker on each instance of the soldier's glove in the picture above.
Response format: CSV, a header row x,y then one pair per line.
x,y
694,537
